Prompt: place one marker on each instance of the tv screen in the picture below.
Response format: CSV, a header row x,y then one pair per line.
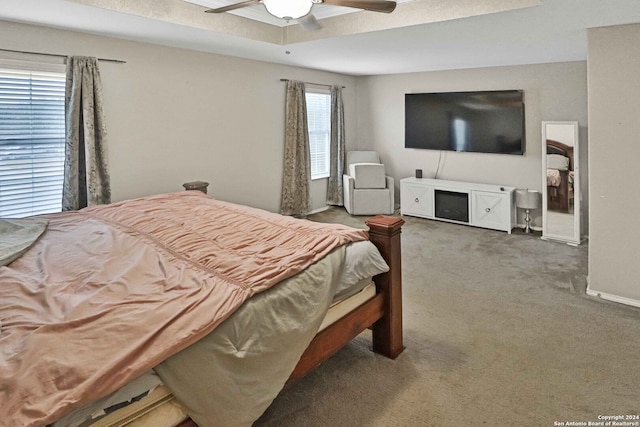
x,y
483,122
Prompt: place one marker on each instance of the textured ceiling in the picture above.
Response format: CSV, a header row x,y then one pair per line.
x,y
258,12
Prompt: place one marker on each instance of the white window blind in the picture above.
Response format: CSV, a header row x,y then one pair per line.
x,y
319,121
31,142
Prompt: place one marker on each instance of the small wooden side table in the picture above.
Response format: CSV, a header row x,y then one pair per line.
x,y
196,185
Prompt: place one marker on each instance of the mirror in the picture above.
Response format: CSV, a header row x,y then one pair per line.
x,y
561,182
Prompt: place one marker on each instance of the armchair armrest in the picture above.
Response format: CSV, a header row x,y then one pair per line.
x,y
391,186
348,184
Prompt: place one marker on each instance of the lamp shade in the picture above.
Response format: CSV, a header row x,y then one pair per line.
x,y
528,199
288,9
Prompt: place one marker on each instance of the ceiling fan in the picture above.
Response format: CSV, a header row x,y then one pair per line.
x,y
300,10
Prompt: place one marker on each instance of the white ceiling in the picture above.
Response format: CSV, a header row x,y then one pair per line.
x,y
259,13
361,43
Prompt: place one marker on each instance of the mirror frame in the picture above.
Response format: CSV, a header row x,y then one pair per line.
x,y
575,238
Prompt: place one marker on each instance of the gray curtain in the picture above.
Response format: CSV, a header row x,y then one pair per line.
x,y
86,172
296,179
336,165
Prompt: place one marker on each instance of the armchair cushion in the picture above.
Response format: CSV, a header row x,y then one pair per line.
x,y
368,175
368,202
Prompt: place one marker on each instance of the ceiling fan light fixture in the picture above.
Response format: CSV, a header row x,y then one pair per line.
x,y
288,9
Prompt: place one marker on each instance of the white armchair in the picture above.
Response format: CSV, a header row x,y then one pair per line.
x,y
367,189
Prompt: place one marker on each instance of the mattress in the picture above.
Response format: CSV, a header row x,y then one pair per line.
x,y
158,408
366,290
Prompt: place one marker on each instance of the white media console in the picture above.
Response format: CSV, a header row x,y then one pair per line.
x,y
479,205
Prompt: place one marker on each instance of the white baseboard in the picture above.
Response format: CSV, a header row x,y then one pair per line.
x,y
315,211
612,297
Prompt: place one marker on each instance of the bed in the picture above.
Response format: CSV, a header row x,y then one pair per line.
x,y
163,317
559,176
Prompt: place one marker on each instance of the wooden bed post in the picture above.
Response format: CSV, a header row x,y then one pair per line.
x,y
383,313
384,232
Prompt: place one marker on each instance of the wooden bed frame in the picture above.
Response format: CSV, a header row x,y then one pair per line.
x,y
558,198
382,313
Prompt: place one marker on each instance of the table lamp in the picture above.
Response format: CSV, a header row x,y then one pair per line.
x,y
528,199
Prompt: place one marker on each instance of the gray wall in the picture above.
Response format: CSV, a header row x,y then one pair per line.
x,y
614,144
175,115
551,91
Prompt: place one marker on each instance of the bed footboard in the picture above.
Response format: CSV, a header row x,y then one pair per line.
x,y
558,197
383,313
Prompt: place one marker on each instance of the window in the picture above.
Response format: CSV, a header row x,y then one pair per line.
x,y
32,135
319,120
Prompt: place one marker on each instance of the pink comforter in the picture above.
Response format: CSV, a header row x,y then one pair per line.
x,y
110,291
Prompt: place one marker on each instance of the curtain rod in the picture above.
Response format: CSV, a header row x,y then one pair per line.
x,y
117,61
311,83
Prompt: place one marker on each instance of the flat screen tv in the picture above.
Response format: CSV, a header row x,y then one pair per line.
x,y
482,122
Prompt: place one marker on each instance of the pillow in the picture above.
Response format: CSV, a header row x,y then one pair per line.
x,y
556,161
368,175
362,260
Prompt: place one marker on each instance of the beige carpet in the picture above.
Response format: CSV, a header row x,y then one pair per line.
x,y
499,332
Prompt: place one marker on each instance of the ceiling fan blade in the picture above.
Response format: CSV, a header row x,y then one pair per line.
x,y
309,22
385,6
233,6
